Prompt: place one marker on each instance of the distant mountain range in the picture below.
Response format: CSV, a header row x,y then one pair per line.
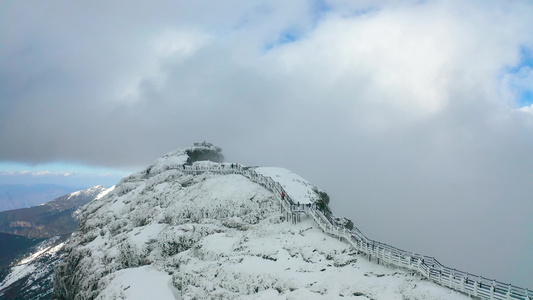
x,y
49,219
13,196
31,243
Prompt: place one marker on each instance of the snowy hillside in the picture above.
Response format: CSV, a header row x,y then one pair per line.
x,y
163,233
31,278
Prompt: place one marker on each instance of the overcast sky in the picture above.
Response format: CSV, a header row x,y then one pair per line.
x,y
414,116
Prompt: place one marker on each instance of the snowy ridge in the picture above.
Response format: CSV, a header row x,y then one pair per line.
x,y
473,285
88,191
105,192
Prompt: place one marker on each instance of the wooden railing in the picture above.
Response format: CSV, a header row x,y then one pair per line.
x,y
427,266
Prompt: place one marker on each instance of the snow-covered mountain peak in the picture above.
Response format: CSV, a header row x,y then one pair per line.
x,y
90,191
76,198
197,230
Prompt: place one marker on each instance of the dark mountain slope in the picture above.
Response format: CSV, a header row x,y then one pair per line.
x,y
12,246
31,278
49,219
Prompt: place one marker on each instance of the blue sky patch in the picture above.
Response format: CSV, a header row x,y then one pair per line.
x,y
286,37
525,98
526,60
75,175
519,84
319,8
526,55
57,167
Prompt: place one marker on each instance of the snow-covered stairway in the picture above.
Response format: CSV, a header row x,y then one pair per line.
x,y
429,267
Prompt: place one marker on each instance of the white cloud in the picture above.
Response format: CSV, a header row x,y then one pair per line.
x,y
177,44
527,109
385,60
170,46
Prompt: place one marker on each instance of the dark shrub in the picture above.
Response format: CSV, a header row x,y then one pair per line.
x,y
323,203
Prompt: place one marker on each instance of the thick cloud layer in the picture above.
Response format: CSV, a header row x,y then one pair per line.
x,y
406,114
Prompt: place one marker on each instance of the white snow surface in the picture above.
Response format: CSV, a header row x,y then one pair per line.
x,y
300,190
47,250
104,192
218,237
89,191
139,284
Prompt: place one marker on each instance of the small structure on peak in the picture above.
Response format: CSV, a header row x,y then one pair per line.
x,y
207,145
204,151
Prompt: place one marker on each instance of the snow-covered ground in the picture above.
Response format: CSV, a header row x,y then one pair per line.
x,y
140,283
278,260
217,237
300,190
